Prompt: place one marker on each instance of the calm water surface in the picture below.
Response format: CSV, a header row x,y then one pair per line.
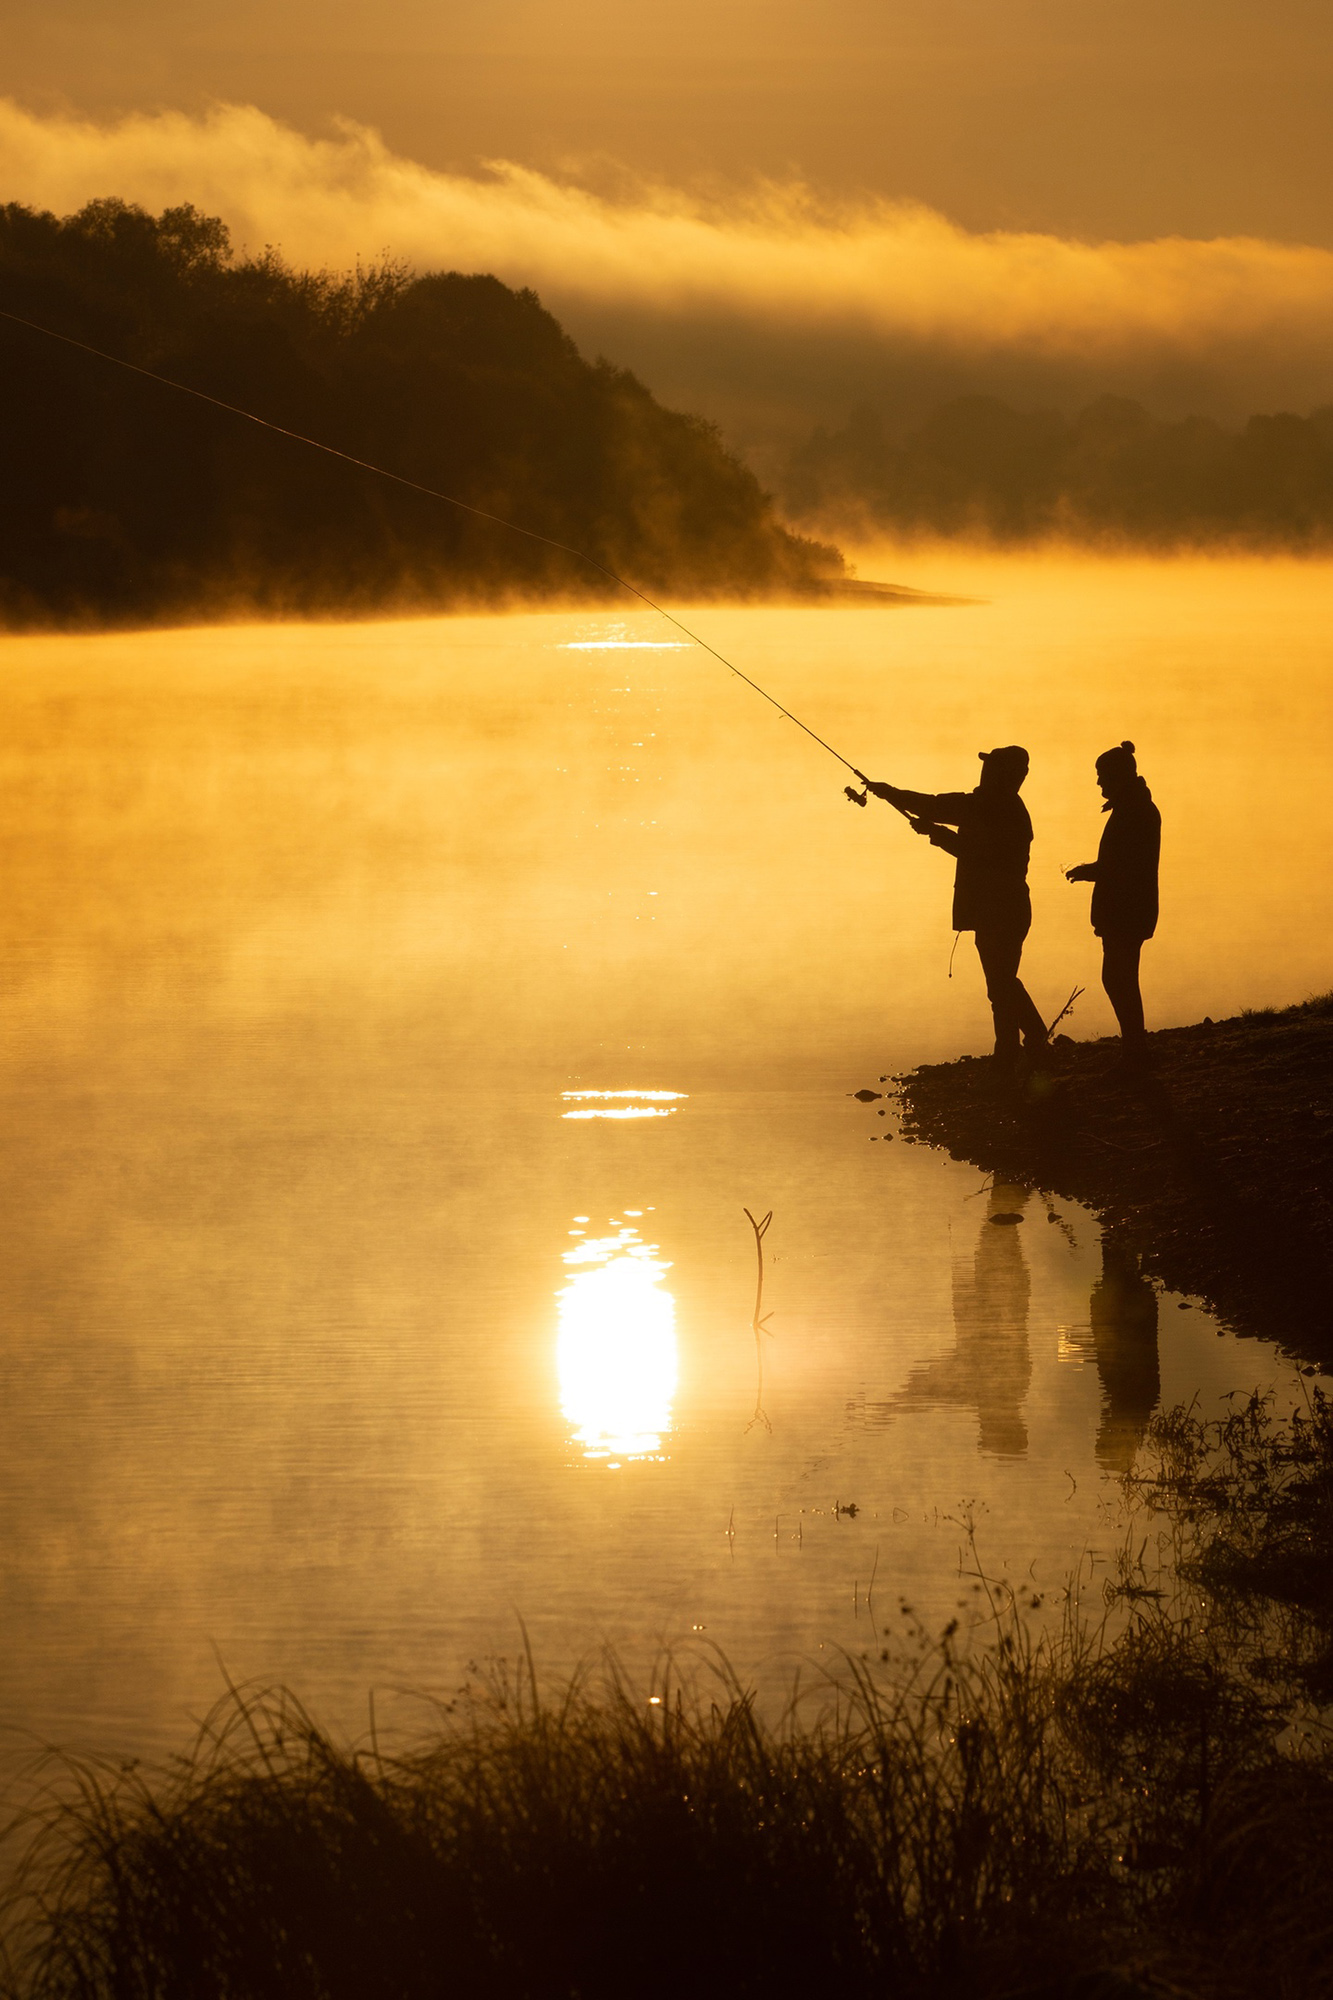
x,y
395,1022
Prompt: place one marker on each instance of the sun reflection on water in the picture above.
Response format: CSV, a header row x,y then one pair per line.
x,y
646,1103
616,1352
624,1111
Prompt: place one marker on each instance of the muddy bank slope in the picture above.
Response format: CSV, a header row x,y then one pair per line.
x,y
1215,1164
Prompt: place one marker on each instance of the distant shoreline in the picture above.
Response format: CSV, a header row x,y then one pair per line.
x,y
839,592
853,590
1215,1165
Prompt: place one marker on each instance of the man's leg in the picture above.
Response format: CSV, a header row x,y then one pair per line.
x,y
1029,1020
1120,977
1000,948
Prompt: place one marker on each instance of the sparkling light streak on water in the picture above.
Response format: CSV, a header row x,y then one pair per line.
x,y
644,1104
625,1111
643,1096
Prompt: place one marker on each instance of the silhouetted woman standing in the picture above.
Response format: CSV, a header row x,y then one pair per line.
x,y
1124,878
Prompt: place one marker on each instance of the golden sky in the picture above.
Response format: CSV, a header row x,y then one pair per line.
x,y
1127,118
773,210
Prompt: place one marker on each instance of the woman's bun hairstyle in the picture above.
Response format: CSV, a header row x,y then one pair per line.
x,y
1117,765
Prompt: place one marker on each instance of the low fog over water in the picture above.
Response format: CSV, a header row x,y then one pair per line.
x,y
395,1021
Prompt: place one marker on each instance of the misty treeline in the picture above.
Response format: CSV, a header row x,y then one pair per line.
x,y
123,500
1114,472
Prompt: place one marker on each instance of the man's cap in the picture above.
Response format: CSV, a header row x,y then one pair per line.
x,y
1012,754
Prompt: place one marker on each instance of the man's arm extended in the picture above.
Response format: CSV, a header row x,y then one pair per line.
x,y
939,808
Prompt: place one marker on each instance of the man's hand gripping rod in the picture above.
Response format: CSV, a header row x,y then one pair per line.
x,y
859,798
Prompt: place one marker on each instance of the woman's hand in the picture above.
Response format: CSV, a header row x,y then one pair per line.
x,y
1085,872
881,791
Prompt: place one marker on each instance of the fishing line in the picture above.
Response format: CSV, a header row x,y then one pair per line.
x,y
433,493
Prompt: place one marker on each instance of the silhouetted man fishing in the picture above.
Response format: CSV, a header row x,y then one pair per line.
x,y
990,891
1124,893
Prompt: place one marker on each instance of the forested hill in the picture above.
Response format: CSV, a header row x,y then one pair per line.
x,y
121,500
1113,473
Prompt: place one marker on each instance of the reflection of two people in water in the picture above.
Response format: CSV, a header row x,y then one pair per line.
x,y
990,1367
989,833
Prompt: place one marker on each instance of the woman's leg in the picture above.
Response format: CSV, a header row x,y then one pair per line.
x,y
1120,977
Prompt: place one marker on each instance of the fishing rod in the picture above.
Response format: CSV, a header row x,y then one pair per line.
x,y
451,500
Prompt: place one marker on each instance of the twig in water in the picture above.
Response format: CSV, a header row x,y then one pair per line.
x,y
760,1231
760,1319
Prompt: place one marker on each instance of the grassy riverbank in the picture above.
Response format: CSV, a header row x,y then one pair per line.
x,y
1124,1794
1215,1164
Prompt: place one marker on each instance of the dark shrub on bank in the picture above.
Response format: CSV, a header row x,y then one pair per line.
x,y
120,499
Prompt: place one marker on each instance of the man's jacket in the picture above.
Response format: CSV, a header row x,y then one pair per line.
x,y
993,841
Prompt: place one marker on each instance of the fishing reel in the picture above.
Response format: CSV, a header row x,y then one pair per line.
x,y
857,798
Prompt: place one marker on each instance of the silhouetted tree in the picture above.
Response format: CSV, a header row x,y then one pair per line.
x,y
122,500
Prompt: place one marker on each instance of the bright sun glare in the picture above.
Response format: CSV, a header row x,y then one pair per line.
x,y
616,1353
645,1104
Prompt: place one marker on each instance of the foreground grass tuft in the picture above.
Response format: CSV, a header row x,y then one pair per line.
x,y
1007,1812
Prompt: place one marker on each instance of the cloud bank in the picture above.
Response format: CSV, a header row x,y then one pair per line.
x,y
876,277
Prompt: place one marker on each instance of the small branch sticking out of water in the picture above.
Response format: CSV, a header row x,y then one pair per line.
x,y
760,1319
760,1231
